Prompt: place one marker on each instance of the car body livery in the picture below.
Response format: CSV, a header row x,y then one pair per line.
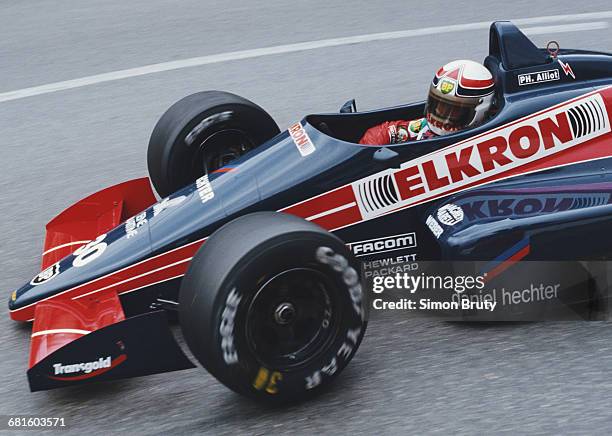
x,y
541,166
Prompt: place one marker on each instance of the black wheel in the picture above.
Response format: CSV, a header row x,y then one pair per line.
x,y
202,133
272,306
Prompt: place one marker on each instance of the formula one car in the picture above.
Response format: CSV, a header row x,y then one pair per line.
x,y
257,240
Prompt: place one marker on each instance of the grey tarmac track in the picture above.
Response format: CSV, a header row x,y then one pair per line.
x,y
411,376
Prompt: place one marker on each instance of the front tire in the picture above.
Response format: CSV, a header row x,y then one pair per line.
x,y
202,133
272,306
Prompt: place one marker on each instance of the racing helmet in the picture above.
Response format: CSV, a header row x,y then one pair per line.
x,y
460,96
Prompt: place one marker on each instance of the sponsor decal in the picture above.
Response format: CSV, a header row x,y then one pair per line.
x,y
392,133
446,86
350,276
406,263
567,69
205,190
102,362
415,126
433,225
226,328
384,244
301,139
398,133
346,349
538,77
495,155
402,134
45,275
509,206
339,263
450,214
85,370
132,224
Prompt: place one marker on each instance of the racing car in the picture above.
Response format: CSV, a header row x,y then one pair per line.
x,y
259,236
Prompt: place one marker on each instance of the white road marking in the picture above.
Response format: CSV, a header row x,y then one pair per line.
x,y
310,45
543,30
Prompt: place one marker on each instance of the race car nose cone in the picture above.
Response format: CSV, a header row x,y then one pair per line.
x,y
284,313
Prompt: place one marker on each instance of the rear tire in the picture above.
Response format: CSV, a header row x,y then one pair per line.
x,y
272,306
202,133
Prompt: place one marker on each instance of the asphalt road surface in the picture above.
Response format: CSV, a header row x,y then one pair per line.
x,y
410,375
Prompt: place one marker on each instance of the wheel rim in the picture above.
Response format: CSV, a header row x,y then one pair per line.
x,y
219,149
292,318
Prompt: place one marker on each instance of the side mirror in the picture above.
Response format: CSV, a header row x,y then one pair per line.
x,y
348,107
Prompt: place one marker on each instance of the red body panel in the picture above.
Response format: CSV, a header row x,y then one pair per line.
x,y
60,321
94,215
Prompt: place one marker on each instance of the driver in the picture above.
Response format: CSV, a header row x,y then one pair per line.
x,y
460,96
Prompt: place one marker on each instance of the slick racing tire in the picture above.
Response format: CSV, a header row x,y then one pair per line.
x,y
202,133
272,306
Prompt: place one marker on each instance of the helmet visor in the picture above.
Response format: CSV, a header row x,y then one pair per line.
x,y
450,115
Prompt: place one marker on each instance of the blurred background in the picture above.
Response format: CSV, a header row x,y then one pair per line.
x,y
65,132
